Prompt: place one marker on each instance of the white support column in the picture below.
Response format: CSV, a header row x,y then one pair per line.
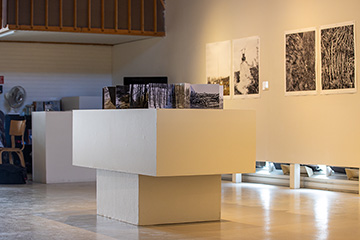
x,y
294,176
236,177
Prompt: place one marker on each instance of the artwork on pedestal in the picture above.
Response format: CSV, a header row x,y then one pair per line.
x,y
52,106
246,60
38,106
206,96
300,62
109,97
122,97
218,65
182,95
338,58
138,95
161,95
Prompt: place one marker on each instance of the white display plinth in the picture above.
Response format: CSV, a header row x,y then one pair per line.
x,y
163,166
81,102
52,150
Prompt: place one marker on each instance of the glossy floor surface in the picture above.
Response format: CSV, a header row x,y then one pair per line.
x,y
249,211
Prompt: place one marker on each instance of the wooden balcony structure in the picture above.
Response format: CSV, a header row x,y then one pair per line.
x,y
142,18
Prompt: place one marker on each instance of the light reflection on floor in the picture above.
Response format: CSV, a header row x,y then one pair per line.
x,y
249,211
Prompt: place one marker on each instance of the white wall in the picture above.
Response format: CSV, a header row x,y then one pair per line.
x,y
303,129
53,71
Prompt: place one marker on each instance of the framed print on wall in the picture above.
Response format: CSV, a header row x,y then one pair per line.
x,y
246,60
338,60
218,64
300,62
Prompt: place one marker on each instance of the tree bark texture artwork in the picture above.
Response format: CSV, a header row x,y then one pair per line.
x,y
246,60
109,98
182,95
122,97
338,58
138,94
218,64
161,95
300,62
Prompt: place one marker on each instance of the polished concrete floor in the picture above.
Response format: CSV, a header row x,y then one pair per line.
x,y
249,211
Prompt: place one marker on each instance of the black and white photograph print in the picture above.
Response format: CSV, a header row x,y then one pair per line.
x,y
182,95
109,98
206,96
161,95
300,62
138,95
218,64
52,106
338,58
122,97
246,60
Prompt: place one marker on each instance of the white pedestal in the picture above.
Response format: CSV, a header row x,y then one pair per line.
x,y
144,200
81,102
165,142
158,166
52,150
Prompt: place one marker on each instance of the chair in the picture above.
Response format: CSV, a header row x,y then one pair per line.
x,y
17,129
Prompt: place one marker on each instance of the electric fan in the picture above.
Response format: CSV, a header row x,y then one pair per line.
x,y
15,97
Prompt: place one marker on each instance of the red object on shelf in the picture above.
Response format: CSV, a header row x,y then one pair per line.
x,y
1,79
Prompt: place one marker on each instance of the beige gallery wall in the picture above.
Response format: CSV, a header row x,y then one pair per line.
x,y
323,129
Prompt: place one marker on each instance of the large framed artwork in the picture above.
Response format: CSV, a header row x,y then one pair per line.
x,y
246,60
218,64
300,62
338,58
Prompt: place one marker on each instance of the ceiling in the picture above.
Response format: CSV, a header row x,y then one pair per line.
x,y
67,37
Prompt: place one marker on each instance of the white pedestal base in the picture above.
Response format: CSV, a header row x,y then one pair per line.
x,y
145,200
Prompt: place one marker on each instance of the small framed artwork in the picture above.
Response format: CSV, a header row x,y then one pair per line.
x,y
300,62
338,60
246,61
